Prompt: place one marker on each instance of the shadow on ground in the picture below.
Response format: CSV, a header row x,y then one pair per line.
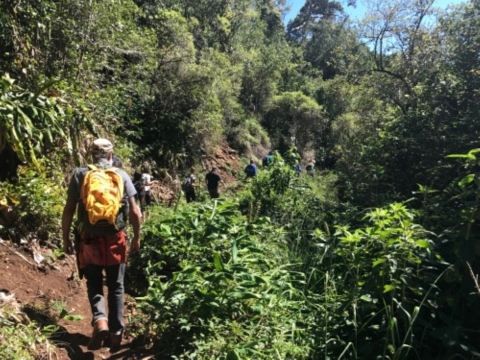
x,y
75,343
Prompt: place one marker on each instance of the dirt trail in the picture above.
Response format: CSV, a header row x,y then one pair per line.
x,y
41,289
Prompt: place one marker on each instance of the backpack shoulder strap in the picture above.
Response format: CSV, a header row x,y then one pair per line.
x,y
91,167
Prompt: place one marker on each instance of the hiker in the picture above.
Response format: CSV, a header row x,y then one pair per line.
x,y
298,168
311,168
147,181
212,179
189,185
251,170
267,161
138,183
118,163
100,241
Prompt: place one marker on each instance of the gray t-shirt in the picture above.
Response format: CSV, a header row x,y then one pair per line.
x,y
76,181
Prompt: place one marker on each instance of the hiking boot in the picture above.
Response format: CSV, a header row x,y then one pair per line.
x,y
115,340
100,332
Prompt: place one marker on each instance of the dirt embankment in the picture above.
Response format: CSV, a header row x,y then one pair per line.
x,y
44,290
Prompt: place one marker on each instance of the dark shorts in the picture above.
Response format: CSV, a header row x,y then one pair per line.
x,y
214,194
190,195
148,198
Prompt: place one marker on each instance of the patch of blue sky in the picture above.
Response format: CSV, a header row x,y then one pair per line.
x,y
357,13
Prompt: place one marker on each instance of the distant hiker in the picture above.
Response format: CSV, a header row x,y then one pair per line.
x,y
267,160
100,194
251,170
138,183
212,179
298,168
117,161
147,183
188,186
311,168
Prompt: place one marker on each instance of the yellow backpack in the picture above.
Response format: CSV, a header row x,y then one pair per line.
x,y
102,193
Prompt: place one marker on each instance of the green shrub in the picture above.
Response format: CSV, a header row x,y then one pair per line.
x,y
220,287
33,205
24,341
378,285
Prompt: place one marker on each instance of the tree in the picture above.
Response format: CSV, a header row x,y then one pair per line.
x,y
31,125
405,47
294,116
312,13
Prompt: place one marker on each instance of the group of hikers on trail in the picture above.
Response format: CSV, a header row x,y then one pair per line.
x,y
269,160
105,200
212,180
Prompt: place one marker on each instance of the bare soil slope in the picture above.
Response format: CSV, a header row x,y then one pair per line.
x,y
40,288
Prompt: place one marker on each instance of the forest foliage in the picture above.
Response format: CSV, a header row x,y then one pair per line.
x,y
374,257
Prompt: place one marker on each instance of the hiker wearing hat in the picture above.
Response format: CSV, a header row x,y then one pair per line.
x,y
103,197
311,168
213,179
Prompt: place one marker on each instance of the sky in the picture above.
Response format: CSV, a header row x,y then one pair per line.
x,y
357,13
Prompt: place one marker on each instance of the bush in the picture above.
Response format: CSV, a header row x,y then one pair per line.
x,y
220,287
33,205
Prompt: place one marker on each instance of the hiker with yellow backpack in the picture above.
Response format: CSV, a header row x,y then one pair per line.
x,y
104,198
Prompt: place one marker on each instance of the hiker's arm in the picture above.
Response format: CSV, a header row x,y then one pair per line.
x,y
135,219
67,218
148,183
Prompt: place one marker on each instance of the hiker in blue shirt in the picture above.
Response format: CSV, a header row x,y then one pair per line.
x,y
251,170
268,160
298,168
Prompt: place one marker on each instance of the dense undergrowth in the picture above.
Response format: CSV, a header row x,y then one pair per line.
x,y
285,271
227,281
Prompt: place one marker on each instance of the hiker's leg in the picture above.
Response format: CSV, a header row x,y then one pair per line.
x,y
148,198
214,194
94,276
115,275
142,202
